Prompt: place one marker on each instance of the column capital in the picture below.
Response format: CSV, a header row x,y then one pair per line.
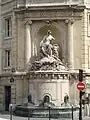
x,y
28,22
48,22
69,21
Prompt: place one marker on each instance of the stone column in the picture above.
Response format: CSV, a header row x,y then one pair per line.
x,y
70,44
0,44
28,43
28,2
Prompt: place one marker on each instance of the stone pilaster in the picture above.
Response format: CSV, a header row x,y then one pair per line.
x,y
28,43
85,41
70,43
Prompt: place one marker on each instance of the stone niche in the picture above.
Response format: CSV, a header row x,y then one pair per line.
x,y
59,31
52,84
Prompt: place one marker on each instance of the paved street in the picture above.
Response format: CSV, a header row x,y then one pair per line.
x,y
7,117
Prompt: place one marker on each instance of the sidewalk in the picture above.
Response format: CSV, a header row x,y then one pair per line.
x,y
7,117
86,118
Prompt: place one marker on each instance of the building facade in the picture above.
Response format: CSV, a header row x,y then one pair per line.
x,y
23,25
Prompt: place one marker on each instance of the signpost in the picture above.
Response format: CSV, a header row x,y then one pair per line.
x,y
80,86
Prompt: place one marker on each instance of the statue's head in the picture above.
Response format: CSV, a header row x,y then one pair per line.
x,y
46,99
66,98
49,32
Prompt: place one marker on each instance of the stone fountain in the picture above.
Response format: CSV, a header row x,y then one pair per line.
x,y
48,83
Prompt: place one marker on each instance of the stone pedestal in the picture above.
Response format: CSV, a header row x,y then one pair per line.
x,y
53,84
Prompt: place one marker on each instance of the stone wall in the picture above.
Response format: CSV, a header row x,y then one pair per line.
x,y
5,81
77,46
19,89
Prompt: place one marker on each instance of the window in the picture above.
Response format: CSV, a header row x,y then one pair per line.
x,y
8,29
7,58
89,57
89,24
89,19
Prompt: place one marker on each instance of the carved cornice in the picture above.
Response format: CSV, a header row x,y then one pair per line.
x,y
36,7
48,75
49,15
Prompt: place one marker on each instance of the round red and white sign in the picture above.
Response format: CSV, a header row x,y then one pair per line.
x,y
81,86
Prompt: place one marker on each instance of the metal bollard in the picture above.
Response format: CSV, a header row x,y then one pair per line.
x,y
10,111
49,113
72,112
28,114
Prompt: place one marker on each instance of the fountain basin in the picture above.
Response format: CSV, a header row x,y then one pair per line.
x,y
55,112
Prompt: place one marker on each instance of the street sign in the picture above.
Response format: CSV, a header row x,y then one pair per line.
x,y
81,86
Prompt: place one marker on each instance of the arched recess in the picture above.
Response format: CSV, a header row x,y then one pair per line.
x,y
49,95
57,32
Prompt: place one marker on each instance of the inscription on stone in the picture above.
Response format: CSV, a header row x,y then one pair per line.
x,y
53,1
47,1
48,14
